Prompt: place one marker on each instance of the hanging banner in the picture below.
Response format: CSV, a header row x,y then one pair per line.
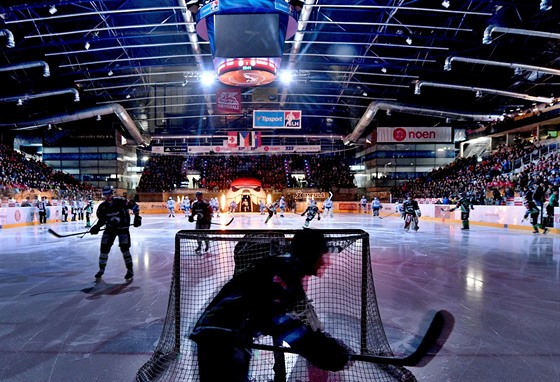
x,y
414,134
228,100
279,119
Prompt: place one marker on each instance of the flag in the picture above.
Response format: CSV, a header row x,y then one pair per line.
x,y
245,139
232,139
256,139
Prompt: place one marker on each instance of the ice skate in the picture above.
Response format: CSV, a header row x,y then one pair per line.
x,y
129,275
99,274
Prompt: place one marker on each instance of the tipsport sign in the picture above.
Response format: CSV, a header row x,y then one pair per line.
x,y
279,119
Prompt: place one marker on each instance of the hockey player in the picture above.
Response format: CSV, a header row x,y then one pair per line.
x,y
42,210
464,203
411,213
259,301
363,204
311,211
375,206
215,206
282,206
186,207
399,208
202,210
89,212
232,207
328,205
113,213
64,212
533,212
171,207
272,208
81,205
74,209
262,206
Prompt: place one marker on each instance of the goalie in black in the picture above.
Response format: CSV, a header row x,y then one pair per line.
x,y
311,211
259,301
411,213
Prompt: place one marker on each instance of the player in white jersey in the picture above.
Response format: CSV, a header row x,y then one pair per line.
x,y
171,207
328,205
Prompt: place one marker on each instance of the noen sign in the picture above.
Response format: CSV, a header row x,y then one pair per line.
x,y
414,134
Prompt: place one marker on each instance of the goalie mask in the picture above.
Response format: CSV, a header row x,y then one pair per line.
x,y
308,246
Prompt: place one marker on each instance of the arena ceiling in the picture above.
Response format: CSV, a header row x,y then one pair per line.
x,y
356,65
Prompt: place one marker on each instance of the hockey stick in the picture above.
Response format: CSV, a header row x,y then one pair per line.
x,y
52,232
89,229
437,334
383,217
223,225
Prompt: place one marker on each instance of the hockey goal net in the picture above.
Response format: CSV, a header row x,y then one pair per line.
x,y
342,302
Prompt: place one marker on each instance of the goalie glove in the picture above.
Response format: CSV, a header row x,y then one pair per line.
x,y
318,217
94,230
418,213
191,219
303,214
137,221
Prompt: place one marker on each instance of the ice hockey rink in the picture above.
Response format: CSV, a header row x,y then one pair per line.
x,y
503,287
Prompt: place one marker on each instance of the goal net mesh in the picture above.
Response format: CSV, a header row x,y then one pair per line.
x,y
342,302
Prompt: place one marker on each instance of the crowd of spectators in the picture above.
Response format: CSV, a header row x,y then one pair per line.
x,y
490,181
276,172
20,173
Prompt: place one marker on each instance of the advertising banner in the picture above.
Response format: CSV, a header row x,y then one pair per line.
x,y
414,134
277,119
254,150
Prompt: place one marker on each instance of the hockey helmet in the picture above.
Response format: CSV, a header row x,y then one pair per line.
x,y
170,198
107,190
198,193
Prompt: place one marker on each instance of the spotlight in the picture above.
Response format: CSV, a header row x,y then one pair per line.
x,y
408,40
546,5
128,96
19,102
110,73
384,70
445,3
417,88
388,112
53,10
478,94
86,45
98,118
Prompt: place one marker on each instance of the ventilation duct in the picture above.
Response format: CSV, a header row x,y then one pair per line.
x,y
504,93
511,65
93,112
487,37
27,65
25,97
375,106
10,42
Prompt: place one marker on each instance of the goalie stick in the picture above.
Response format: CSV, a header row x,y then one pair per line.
x,y
383,217
437,334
